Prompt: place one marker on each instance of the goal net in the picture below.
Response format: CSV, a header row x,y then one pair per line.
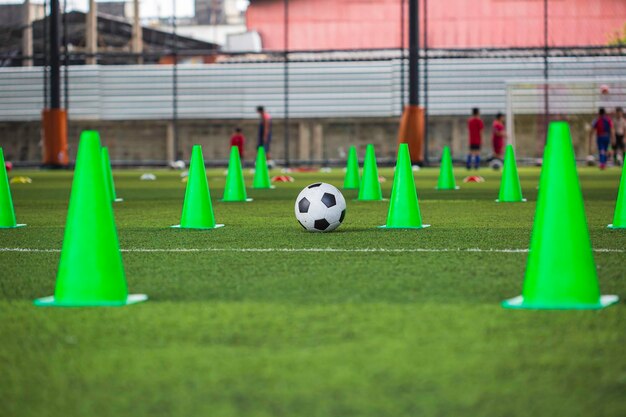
x,y
576,101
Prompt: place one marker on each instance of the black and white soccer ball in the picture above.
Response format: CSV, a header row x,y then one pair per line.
x,y
496,164
320,207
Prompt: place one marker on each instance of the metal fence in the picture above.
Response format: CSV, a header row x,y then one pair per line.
x,y
364,88
367,87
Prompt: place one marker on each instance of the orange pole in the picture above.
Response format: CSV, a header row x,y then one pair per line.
x,y
55,137
412,131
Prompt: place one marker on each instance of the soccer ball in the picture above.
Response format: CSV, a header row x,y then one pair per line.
x,y
496,164
604,89
177,164
320,207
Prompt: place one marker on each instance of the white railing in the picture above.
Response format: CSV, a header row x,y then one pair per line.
x,y
316,89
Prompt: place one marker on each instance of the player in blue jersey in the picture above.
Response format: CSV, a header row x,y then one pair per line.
x,y
602,126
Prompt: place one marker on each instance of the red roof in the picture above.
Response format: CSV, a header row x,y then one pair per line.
x,y
357,24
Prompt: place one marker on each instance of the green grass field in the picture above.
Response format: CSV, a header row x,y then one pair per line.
x,y
272,332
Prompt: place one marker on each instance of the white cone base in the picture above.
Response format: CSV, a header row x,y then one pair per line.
x,y
610,226
448,189
384,226
518,302
247,200
523,200
178,226
13,227
50,302
118,200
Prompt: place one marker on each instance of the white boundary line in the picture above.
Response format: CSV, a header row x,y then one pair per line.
x,y
297,250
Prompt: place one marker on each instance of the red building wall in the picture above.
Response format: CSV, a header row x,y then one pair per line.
x,y
359,24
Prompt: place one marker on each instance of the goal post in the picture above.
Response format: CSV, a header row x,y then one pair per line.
x,y
574,100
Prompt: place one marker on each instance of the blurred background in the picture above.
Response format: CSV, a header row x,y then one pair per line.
x,y
156,77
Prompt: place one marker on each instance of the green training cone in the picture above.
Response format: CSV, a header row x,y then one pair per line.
x,y
197,207
369,189
446,173
351,180
7,214
261,173
108,175
90,272
235,189
619,219
404,210
560,270
510,188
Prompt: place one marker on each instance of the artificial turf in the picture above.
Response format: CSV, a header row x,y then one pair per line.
x,y
309,333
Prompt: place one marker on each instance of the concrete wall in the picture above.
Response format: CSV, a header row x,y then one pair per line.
x,y
318,141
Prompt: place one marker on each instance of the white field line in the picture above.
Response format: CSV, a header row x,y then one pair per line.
x,y
297,250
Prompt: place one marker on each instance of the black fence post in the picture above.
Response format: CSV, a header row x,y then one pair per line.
x,y
66,60
45,54
55,63
286,80
175,83
402,57
425,82
546,92
414,66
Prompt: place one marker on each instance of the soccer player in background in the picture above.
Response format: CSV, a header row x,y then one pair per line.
x,y
238,140
618,144
475,127
602,126
497,136
265,130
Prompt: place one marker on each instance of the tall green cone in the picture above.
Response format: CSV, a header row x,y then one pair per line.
x,y
235,189
351,180
261,173
108,175
369,189
197,208
446,173
7,214
404,210
510,188
90,272
619,219
560,270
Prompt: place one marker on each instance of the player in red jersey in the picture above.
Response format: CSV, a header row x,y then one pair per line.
x,y
475,127
238,140
497,136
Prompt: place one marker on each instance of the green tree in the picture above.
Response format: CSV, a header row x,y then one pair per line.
x,y
618,39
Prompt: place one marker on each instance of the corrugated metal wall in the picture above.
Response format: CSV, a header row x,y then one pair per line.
x,y
369,24
316,89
